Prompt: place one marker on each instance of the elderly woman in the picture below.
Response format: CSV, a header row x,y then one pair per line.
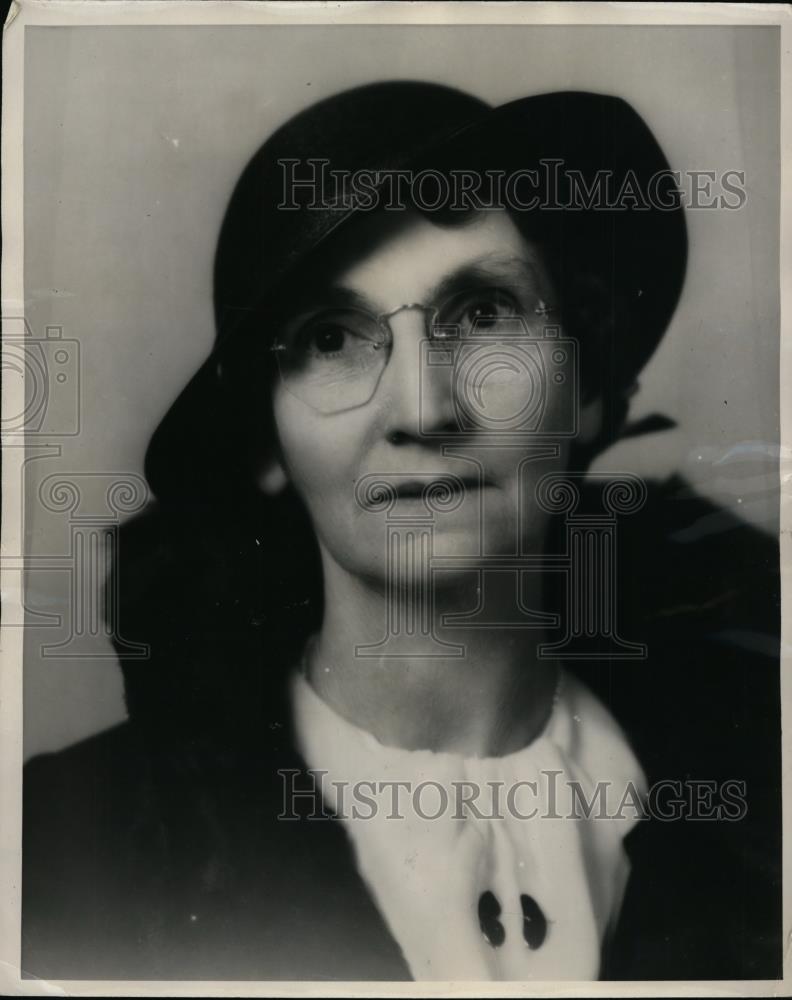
x,y
386,684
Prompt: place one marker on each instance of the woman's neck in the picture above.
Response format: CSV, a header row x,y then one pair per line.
x,y
490,698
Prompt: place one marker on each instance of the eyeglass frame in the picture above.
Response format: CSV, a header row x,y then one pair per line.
x,y
382,321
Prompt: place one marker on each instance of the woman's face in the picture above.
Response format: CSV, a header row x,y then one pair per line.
x,y
493,412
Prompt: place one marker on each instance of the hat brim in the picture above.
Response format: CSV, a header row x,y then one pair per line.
x,y
587,134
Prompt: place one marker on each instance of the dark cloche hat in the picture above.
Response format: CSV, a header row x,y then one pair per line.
x,y
587,175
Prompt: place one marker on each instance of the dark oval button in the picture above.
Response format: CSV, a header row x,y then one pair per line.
x,y
488,912
534,922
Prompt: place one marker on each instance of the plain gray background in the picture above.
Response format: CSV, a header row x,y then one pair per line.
x,y
135,136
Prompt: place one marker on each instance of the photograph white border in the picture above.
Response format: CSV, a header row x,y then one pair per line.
x,y
29,13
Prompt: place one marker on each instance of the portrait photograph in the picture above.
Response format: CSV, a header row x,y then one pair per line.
x,y
393,498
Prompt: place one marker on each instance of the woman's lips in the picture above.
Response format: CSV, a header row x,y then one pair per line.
x,y
417,490
435,491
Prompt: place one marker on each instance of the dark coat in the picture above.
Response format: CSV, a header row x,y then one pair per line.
x,y
154,858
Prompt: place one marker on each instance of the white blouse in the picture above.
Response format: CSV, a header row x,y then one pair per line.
x,y
487,868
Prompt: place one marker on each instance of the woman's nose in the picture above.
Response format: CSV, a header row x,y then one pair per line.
x,y
417,385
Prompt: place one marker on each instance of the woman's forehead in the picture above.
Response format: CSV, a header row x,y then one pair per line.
x,y
390,260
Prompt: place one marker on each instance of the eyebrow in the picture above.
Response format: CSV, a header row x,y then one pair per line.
x,y
491,267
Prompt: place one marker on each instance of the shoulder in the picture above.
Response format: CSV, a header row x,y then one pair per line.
x,y
696,562
690,581
65,791
81,854
93,783
699,588
149,863
93,755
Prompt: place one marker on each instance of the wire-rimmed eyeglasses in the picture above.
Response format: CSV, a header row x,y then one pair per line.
x,y
333,358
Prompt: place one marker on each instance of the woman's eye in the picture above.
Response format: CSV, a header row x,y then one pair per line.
x,y
482,312
327,339
487,309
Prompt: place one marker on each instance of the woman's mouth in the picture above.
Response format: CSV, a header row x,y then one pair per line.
x,y
437,488
436,492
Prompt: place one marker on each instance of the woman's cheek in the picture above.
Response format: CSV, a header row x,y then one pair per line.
x,y
325,482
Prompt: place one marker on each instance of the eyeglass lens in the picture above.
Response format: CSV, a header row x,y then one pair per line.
x,y
334,359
